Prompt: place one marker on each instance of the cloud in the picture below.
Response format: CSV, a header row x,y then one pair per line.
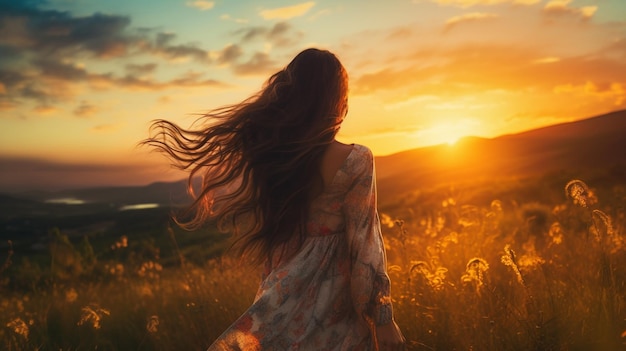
x,y
140,69
259,64
251,33
227,17
105,128
45,110
470,3
39,49
162,46
613,92
201,4
287,12
561,7
85,109
188,80
6,105
546,60
60,70
50,81
280,34
475,68
468,17
58,33
230,54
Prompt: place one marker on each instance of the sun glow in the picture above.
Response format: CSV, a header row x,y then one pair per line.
x,y
449,132
452,139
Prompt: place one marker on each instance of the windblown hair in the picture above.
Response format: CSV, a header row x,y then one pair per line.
x,y
260,159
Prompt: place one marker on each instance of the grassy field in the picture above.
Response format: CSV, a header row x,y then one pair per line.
x,y
517,272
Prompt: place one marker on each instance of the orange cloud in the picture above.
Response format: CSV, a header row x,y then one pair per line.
x,y
468,17
561,7
287,12
480,69
614,91
546,60
45,109
469,3
6,105
85,109
105,128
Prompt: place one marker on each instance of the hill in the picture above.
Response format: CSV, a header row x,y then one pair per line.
x,y
580,147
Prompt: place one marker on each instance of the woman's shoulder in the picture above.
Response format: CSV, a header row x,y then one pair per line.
x,y
362,150
362,154
361,160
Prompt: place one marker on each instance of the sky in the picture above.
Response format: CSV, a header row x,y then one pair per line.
x,y
80,80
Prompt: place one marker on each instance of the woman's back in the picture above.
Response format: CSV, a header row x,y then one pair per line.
x,y
335,155
318,295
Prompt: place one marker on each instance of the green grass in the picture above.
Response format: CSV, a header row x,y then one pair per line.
x,y
522,271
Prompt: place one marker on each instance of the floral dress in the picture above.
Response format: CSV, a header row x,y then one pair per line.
x,y
332,292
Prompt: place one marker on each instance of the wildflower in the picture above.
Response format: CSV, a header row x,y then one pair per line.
x,y
448,202
604,232
145,290
556,233
123,242
580,193
558,209
19,327
453,238
601,224
117,269
470,216
394,268
153,323
185,286
93,315
475,272
496,207
530,260
510,259
494,215
435,278
20,305
150,269
71,295
386,220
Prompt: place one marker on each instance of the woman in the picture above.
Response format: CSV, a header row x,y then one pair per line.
x,y
299,201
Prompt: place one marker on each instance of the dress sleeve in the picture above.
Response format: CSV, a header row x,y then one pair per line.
x,y
370,286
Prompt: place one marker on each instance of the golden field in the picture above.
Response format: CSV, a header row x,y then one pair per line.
x,y
507,274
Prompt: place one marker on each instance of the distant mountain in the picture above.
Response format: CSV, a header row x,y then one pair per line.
x,y
582,146
165,193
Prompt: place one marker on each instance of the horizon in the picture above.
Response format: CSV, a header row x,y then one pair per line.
x,y
182,176
79,82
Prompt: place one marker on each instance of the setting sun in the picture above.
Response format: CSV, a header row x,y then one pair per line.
x,y
449,132
452,139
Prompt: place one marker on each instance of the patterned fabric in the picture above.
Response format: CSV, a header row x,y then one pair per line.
x,y
330,294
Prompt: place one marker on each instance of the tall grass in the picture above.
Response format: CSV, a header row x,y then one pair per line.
x,y
506,276
516,277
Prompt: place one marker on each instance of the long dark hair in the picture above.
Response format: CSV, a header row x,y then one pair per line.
x,y
260,159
